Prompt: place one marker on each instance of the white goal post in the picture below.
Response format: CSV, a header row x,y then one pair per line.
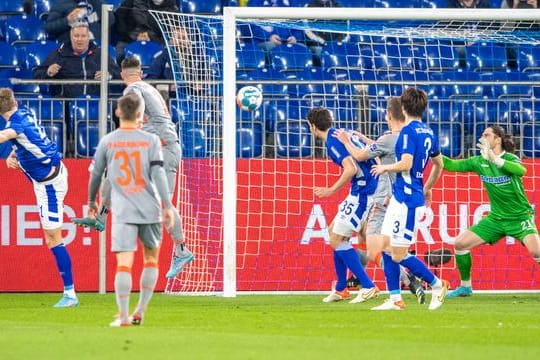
x,y
494,25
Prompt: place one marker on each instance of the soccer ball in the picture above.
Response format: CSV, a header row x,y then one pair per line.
x,y
249,98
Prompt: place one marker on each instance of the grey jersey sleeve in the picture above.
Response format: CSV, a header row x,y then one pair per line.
x,y
383,146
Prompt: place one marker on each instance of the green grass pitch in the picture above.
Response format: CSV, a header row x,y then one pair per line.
x,y
271,327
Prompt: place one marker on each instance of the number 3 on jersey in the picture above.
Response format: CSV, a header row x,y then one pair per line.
x,y
129,175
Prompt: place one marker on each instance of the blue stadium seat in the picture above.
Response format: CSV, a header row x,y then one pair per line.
x,y
143,50
312,82
179,111
344,112
114,3
450,138
531,140
528,58
213,7
87,138
24,29
193,141
248,57
435,57
11,7
55,132
501,87
249,139
388,57
293,139
291,57
43,7
8,56
270,82
45,108
36,52
486,57
274,111
32,88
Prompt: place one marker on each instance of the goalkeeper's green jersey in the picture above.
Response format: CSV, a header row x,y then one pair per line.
x,y
504,185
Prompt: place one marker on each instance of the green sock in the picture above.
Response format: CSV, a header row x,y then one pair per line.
x,y
464,264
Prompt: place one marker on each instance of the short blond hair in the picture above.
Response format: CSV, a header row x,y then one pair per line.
x,y
7,100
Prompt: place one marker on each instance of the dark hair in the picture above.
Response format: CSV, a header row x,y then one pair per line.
x,y
128,106
507,143
414,102
320,117
131,62
394,108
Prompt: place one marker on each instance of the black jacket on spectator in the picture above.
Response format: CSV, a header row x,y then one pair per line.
x,y
57,25
75,66
133,17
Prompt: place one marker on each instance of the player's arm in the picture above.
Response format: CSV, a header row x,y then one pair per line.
x,y
345,138
514,167
349,169
463,165
7,134
434,175
405,164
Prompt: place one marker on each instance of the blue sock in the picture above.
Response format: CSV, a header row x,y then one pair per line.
x,y
63,261
418,268
391,272
341,272
352,261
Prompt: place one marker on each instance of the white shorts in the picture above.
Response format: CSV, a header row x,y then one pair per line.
x,y
50,196
352,214
401,223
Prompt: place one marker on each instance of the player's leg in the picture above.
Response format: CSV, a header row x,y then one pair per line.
x,y
50,199
340,291
124,244
150,235
532,243
525,231
182,256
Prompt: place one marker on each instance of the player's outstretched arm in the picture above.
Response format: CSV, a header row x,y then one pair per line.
x,y
349,169
6,135
434,175
345,138
405,164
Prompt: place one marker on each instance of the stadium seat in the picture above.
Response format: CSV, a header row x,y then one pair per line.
x,y
435,57
344,113
248,57
274,111
528,58
45,108
388,57
291,57
486,57
24,29
312,82
531,140
42,8
37,52
55,132
23,89
293,139
87,138
503,84
249,139
143,50
450,138
8,56
10,7
193,140
212,7
269,84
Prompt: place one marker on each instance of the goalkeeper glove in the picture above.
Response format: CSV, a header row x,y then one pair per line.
x,y
488,154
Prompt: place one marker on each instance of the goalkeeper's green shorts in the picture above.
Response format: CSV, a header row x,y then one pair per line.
x,y
492,229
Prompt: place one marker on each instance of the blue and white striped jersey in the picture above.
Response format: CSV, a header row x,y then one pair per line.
x,y
36,153
363,183
418,140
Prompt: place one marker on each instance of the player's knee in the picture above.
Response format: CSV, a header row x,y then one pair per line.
x,y
397,257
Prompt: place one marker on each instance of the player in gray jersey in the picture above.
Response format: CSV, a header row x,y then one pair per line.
x,y
383,149
155,118
134,162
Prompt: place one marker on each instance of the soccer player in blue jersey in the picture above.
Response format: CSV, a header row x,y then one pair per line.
x,y
38,157
415,145
352,212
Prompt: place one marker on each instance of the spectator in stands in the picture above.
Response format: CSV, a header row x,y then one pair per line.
x,y
75,59
134,22
315,40
189,56
468,4
511,50
65,13
268,37
519,4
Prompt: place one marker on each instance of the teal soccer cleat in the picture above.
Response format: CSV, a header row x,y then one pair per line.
x,y
462,291
179,262
67,301
89,222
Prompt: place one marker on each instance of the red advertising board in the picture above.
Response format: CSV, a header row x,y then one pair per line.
x,y
281,230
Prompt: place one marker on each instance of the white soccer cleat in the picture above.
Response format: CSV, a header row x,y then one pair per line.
x,y
438,295
337,296
119,323
390,305
365,294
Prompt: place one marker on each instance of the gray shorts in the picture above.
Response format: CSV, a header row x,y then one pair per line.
x,y
376,217
124,236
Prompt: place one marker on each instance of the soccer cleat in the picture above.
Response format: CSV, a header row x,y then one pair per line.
x,y
337,296
391,305
119,323
417,289
179,262
136,318
67,301
365,294
437,296
462,291
89,222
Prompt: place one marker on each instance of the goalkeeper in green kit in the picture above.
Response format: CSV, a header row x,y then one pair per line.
x,y
511,213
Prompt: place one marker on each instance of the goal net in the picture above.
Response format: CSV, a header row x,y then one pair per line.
x,y
245,188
